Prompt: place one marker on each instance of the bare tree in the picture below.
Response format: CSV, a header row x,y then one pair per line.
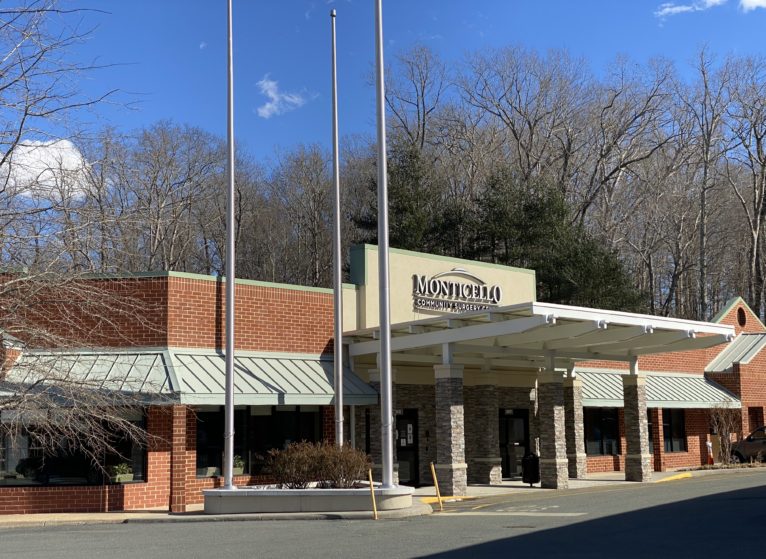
x,y
706,103
47,304
414,92
300,188
726,422
746,162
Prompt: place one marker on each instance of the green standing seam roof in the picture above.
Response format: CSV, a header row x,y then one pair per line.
x,y
197,377
262,379
741,350
135,372
603,388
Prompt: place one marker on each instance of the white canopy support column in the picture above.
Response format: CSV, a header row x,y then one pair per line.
x,y
451,467
554,472
376,442
638,459
574,426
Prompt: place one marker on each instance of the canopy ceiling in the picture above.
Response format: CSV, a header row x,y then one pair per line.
x,y
527,335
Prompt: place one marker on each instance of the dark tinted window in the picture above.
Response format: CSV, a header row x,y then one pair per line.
x,y
602,433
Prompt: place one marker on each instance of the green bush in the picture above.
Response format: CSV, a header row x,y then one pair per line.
x,y
303,463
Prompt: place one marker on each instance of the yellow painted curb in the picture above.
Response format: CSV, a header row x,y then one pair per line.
x,y
675,477
432,500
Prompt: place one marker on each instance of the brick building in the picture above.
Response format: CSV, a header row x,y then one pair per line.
x,y
482,374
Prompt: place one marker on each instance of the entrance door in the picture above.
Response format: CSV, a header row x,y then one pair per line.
x,y
514,440
407,447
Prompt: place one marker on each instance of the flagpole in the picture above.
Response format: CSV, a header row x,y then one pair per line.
x,y
228,435
337,277
386,408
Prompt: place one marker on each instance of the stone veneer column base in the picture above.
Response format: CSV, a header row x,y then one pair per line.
x,y
453,479
554,473
575,428
451,467
486,470
577,465
554,466
638,467
638,460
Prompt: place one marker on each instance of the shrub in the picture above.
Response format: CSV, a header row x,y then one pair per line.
x,y
295,466
302,463
341,466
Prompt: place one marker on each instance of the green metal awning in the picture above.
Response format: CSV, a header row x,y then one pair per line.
x,y
603,388
265,379
741,350
194,376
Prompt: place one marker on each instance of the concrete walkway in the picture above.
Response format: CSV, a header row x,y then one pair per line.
x,y
516,486
423,496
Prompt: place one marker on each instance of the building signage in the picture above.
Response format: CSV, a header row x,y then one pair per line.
x,y
454,291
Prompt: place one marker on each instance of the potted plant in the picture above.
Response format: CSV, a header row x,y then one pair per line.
x,y
238,466
121,473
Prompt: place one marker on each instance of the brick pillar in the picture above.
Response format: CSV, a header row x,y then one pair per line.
x,y
657,440
179,458
451,469
554,471
328,424
376,452
483,443
574,428
638,460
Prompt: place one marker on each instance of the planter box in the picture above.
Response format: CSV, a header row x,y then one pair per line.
x,y
237,471
121,478
253,500
211,471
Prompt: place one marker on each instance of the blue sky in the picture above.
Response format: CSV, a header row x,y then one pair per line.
x,y
169,56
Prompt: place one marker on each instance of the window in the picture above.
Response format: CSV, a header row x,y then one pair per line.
x,y
24,463
650,428
674,430
257,429
602,433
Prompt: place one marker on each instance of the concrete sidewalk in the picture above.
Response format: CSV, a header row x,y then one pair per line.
x,y
423,496
509,487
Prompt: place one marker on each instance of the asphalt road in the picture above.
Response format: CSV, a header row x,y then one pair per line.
x,y
700,517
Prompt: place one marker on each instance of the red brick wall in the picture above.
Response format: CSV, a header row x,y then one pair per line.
x,y
752,324
8,358
697,429
267,318
190,312
104,312
153,493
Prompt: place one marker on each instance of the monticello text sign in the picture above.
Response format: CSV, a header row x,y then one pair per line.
x,y
454,291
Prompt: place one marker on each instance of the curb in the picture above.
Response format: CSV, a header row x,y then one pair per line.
x,y
413,511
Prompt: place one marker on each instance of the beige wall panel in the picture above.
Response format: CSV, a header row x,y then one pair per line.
x,y
516,285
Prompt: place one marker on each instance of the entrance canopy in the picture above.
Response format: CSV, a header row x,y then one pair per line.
x,y
527,335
